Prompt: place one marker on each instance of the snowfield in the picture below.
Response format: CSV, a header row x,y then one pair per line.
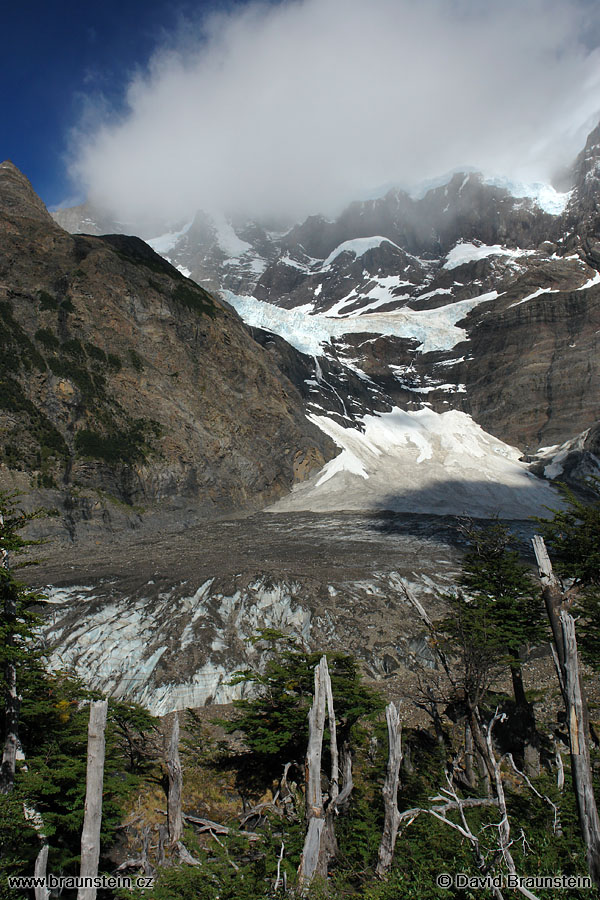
x,y
466,253
421,462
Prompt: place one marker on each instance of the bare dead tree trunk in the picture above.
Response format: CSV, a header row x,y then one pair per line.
x,y
162,837
12,706
320,845
525,723
518,687
92,818
311,862
567,666
581,768
279,861
146,864
390,791
504,837
12,701
174,811
334,781
480,741
553,599
469,770
39,871
560,771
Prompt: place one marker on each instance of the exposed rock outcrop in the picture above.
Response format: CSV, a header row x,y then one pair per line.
x,y
121,376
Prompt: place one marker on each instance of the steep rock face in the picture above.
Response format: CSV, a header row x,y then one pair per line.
x,y
575,462
533,372
120,375
582,219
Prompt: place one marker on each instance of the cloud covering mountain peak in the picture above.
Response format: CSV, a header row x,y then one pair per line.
x,y
300,106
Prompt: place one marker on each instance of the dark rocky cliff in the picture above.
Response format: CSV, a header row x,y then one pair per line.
x,y
122,379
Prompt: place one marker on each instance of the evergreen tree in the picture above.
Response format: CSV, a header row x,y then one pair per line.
x,y
274,722
500,609
16,629
573,539
46,716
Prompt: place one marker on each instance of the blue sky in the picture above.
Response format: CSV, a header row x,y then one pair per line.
x,y
288,107
54,54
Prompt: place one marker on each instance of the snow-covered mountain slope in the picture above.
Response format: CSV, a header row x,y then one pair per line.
x,y
472,293
421,462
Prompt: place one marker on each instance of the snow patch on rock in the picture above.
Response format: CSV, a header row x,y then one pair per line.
x,y
166,242
467,252
358,247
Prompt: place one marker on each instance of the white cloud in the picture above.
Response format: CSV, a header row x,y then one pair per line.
x,y
299,106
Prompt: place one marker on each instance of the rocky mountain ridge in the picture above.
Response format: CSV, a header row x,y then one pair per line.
x,y
126,385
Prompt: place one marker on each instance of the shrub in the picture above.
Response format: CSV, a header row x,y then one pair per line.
x,y
47,339
195,298
136,360
95,352
74,347
47,301
114,362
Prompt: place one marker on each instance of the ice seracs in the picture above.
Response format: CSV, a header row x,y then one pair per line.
x,y
544,195
432,329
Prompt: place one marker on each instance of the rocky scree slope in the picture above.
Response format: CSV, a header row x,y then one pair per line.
x,y
123,383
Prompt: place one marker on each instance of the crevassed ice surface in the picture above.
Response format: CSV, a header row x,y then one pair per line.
x,y
433,329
